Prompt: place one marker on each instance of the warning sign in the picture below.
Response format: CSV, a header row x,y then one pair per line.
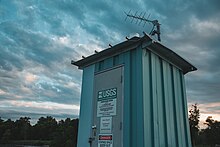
x,y
106,125
105,140
106,105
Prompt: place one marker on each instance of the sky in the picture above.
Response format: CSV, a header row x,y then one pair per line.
x,y
39,38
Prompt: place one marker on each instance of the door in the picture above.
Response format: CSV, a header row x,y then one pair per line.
x,y
107,109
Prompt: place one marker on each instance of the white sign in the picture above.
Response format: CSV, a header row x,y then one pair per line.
x,y
105,140
106,125
106,105
106,108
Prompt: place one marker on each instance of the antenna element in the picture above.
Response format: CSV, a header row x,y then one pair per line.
x,y
141,18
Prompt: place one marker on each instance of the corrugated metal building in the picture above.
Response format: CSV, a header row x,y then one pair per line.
x,y
153,107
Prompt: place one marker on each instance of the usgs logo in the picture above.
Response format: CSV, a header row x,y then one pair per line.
x,y
107,93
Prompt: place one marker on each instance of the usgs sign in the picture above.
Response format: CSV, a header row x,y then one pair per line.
x,y
107,94
106,104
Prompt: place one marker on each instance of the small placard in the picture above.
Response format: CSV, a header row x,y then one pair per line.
x,y
106,108
106,125
105,140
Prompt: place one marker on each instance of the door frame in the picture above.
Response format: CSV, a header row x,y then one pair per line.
x,y
122,101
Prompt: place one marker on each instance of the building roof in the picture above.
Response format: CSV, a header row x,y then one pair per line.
x,y
146,42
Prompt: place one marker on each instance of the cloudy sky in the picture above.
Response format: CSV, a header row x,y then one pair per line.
x,y
39,38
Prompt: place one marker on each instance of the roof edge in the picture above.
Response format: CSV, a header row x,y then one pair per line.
x,y
109,52
146,42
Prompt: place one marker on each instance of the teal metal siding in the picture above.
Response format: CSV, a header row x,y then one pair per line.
x,y
186,111
164,103
127,101
85,117
147,102
136,93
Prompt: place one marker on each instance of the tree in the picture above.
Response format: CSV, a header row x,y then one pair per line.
x,y
45,128
6,136
66,133
194,116
2,128
6,129
46,131
22,128
212,132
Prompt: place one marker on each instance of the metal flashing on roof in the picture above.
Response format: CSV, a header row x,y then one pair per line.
x,y
170,56
109,52
146,42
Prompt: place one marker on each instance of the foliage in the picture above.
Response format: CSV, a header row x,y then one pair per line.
x,y
194,123
47,129
212,132
210,136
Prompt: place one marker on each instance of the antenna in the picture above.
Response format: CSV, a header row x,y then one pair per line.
x,y
141,18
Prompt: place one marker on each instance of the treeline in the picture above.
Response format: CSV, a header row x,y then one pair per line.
x,y
63,133
210,136
47,130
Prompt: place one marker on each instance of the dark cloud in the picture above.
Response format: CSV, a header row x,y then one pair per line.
x,y
205,9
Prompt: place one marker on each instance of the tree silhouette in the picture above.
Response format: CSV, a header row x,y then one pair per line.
x,y
46,131
194,123
212,132
22,128
6,129
45,127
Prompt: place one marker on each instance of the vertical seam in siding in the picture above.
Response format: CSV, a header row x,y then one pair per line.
x,y
180,110
184,108
146,100
134,98
174,106
151,100
186,113
131,101
164,103
157,99
139,80
127,97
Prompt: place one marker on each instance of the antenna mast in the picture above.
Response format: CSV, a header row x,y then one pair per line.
x,y
141,18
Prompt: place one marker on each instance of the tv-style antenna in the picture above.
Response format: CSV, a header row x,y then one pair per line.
x,y
140,18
